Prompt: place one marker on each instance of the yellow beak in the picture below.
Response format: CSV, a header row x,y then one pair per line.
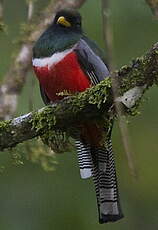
x,y
63,21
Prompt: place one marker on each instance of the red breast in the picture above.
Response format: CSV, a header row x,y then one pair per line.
x,y
63,75
68,75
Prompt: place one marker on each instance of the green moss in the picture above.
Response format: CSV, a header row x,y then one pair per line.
x,y
43,120
44,123
134,110
39,153
133,75
96,96
3,26
100,92
4,126
33,150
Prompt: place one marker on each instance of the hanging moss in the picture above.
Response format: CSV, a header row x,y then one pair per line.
x,y
3,27
45,121
5,126
44,124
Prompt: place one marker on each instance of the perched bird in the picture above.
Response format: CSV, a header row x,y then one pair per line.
x,y
64,59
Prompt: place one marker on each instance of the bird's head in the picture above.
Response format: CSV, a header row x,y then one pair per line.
x,y
64,32
68,19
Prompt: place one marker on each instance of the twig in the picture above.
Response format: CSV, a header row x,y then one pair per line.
x,y
154,6
30,10
107,33
30,13
2,25
108,38
15,78
1,10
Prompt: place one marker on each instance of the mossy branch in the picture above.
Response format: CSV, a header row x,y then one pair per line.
x,y
91,105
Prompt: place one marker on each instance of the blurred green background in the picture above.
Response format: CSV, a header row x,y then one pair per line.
x,y
32,199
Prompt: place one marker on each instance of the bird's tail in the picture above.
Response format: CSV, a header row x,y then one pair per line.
x,y
104,176
84,159
98,162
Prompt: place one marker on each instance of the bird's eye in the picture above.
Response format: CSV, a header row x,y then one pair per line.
x,y
62,21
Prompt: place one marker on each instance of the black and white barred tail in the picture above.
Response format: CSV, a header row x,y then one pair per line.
x,y
84,159
98,162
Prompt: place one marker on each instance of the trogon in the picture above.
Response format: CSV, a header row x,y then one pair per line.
x,y
65,59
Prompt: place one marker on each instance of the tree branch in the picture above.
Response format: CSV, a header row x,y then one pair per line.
x,y
2,25
108,38
154,6
15,77
93,104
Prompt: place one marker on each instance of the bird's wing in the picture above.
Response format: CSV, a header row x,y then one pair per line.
x,y
90,62
44,96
